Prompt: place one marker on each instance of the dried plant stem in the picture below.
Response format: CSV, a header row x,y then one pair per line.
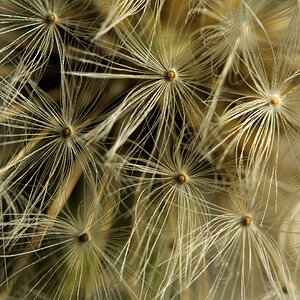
x,y
22,153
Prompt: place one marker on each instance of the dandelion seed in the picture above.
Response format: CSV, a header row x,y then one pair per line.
x,y
268,110
171,192
55,142
168,77
74,255
240,27
28,33
246,247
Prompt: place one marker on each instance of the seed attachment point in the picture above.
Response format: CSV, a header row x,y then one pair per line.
x,y
66,132
171,75
182,178
83,237
246,220
275,100
51,18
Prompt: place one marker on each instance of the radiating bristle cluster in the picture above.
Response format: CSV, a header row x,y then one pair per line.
x,y
149,149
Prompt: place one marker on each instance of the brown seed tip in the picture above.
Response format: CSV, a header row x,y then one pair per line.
x,y
246,221
66,132
84,237
171,75
51,18
182,178
275,100
284,290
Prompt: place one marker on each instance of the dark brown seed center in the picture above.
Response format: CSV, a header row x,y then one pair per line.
x,y
51,18
84,237
284,290
246,221
182,178
171,75
66,132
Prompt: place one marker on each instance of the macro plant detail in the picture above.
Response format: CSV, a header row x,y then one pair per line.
x,y
149,149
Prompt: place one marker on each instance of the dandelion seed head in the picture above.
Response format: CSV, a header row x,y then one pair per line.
x,y
246,221
51,18
171,75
